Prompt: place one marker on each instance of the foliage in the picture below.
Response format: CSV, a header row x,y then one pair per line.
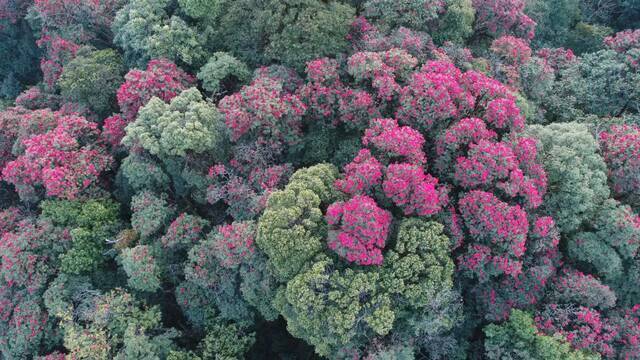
x,y
161,79
222,67
187,124
141,268
576,173
519,339
63,160
361,179
92,79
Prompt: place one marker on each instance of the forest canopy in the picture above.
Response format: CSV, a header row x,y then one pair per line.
x,y
319,179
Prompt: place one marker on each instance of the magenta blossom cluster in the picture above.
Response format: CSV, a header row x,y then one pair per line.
x,y
395,141
234,243
412,190
623,41
358,230
328,98
59,52
61,160
361,174
501,233
621,151
162,79
264,111
504,17
583,327
433,95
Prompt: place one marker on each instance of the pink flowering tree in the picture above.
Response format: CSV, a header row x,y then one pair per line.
x,y
263,111
510,53
63,160
621,151
162,79
244,190
503,17
623,41
58,52
583,327
415,192
29,258
393,141
234,243
361,175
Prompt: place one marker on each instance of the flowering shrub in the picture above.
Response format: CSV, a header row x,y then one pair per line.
x,y
61,160
359,229
503,17
621,151
161,79
234,243
263,111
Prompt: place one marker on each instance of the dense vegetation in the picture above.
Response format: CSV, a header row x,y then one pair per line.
x,y
341,179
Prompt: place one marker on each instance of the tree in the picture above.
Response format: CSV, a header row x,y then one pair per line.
x,y
91,223
150,214
290,33
92,79
161,79
447,20
263,111
519,339
186,124
358,230
610,242
292,228
141,268
605,72
576,173
64,170
118,326
619,149
221,69
503,17
76,20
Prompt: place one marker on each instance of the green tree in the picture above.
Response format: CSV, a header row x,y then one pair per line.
x,y
292,227
91,224
186,125
220,69
92,79
577,174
